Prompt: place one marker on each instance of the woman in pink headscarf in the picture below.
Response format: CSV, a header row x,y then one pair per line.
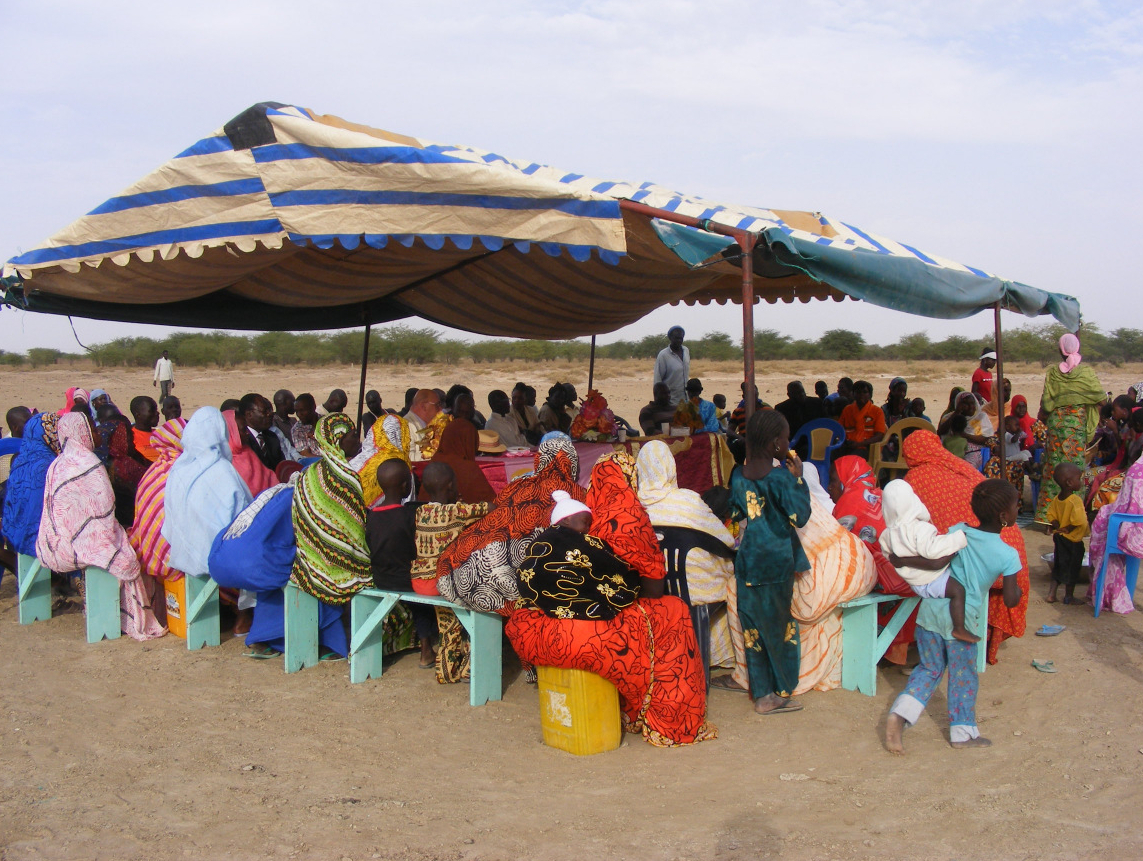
x,y
1069,407
245,460
79,530
73,395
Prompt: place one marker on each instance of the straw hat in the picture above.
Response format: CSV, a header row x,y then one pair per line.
x,y
490,442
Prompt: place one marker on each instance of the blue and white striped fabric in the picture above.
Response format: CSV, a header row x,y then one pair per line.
x,y
286,219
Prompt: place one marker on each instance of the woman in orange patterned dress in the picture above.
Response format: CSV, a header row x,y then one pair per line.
x,y
648,649
945,483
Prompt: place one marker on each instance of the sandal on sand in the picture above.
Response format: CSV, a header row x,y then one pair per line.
x,y
330,657
1044,666
262,653
727,683
1072,599
788,706
1050,630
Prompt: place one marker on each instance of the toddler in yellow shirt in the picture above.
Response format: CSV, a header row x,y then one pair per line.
x,y
1068,526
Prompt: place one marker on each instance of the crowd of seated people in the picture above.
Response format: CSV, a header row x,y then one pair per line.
x,y
259,493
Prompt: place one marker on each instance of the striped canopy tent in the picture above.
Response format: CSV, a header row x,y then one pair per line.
x,y
285,219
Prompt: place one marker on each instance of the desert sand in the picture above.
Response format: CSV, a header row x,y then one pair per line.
x,y
125,750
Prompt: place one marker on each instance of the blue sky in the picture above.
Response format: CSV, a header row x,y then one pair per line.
x,y
1005,135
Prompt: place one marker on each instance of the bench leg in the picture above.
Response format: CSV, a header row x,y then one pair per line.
x,y
486,643
858,647
301,629
102,588
366,618
34,585
893,627
202,613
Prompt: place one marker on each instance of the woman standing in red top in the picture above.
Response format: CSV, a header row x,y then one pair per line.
x,y
982,377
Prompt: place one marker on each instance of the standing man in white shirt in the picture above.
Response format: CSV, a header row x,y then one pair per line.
x,y
673,365
164,376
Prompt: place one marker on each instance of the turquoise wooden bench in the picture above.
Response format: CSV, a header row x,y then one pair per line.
x,y
203,620
368,610
862,646
101,609
301,611
34,590
101,605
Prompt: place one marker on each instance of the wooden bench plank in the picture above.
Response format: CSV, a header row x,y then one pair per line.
x,y
203,620
368,611
34,587
102,604
301,629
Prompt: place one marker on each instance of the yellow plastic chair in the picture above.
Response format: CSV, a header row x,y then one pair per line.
x,y
898,431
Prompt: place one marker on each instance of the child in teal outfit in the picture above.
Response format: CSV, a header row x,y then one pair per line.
x,y
773,501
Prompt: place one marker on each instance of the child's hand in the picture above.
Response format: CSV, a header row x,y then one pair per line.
x,y
1053,527
794,463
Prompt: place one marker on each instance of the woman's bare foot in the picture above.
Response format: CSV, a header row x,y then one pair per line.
x,y
428,656
727,683
979,741
964,636
894,729
772,704
242,622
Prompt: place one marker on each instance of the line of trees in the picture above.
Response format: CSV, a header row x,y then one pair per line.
x,y
405,345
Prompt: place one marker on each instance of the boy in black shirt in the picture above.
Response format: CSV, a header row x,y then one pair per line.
x,y
391,535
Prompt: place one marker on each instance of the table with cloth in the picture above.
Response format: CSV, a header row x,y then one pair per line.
x,y
702,461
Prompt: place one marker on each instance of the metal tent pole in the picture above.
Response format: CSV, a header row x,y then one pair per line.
x,y
746,242
591,366
364,367
998,391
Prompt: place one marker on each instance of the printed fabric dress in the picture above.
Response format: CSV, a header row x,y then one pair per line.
x,y
768,558
645,647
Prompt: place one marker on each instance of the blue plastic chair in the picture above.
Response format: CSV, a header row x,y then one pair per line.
x,y
822,438
1132,574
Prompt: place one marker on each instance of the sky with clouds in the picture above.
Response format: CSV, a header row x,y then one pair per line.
x,y
1002,134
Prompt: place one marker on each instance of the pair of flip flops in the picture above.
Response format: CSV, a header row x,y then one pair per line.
x,y
262,654
1050,630
1044,666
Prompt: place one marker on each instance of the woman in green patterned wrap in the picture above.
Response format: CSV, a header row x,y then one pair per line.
x,y
332,562
1070,409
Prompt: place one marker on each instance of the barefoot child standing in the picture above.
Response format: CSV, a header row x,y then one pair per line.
x,y
773,502
909,532
986,557
1068,526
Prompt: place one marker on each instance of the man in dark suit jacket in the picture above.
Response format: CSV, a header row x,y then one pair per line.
x,y
256,414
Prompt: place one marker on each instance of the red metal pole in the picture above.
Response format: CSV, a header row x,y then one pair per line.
x,y
667,215
746,242
999,392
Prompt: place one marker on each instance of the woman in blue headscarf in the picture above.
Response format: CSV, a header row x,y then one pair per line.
x,y
24,502
204,493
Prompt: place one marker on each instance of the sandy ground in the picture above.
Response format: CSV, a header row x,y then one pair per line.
x,y
125,750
